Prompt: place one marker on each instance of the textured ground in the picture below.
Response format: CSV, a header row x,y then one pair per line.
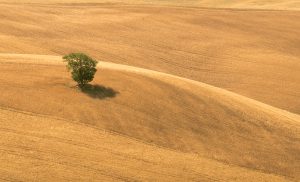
x,y
42,148
161,110
208,94
236,4
248,52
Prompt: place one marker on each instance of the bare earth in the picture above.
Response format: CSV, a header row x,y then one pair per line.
x,y
182,94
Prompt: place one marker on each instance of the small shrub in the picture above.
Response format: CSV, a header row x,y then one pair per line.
x,y
82,68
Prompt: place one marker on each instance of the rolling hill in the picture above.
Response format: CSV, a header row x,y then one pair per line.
x,y
247,52
157,109
199,90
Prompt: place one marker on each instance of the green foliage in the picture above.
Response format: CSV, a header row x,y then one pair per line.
x,y
82,67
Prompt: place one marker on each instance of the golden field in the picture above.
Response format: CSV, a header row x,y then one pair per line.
x,y
183,93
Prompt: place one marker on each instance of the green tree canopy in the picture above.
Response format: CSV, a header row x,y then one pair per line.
x,y
82,67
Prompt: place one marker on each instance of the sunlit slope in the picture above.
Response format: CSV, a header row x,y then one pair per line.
x,y
240,4
253,53
161,109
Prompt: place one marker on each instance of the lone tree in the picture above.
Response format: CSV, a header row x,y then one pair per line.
x,y
82,68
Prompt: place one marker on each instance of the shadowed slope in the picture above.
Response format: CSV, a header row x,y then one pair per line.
x,y
165,110
253,53
35,147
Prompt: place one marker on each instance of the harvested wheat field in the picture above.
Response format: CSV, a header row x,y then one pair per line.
x,y
185,91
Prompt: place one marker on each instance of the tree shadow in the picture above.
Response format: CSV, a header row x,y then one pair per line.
x,y
98,91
